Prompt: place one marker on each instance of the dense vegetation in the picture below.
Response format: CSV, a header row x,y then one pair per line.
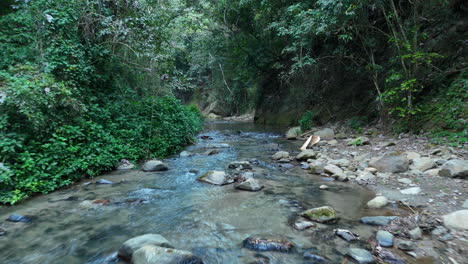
x,y
84,83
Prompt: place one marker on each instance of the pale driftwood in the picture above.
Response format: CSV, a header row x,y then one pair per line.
x,y
312,140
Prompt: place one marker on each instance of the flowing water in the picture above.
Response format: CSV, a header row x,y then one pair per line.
x,y
211,221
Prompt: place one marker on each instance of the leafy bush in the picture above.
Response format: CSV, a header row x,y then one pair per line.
x,y
306,120
357,123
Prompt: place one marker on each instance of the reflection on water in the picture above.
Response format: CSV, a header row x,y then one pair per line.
x,y
210,221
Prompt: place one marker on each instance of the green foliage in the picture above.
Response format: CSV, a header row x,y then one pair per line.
x,y
454,139
358,122
306,121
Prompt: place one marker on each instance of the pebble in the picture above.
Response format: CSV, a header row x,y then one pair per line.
x,y
385,238
323,187
301,225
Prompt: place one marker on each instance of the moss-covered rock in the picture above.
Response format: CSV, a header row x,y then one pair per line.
x,y
320,214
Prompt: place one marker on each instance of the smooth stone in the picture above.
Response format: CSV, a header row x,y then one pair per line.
x,y
332,142
2,232
346,234
341,162
326,133
456,220
320,214
268,244
211,152
241,165
104,181
218,145
465,204
378,202
154,165
314,257
250,185
316,167
362,256
293,133
392,163
280,155
216,178
18,218
438,231
286,165
125,165
323,187
423,164
385,238
305,166
411,191
454,168
301,225
415,233
306,154
332,169
130,246
406,245
432,172
412,155
405,181
446,237
185,154
378,220
151,254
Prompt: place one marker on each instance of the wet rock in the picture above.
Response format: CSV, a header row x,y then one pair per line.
x,y
362,256
415,233
92,204
323,187
438,231
392,163
305,166
306,154
240,165
332,169
326,133
346,234
316,258
2,232
104,181
320,214
216,178
406,245
211,152
250,185
154,165
378,202
454,168
457,220
151,254
465,204
18,218
385,238
293,133
125,165
301,225
405,181
411,191
365,177
423,164
286,166
130,246
280,155
194,171
316,167
378,220
268,244
341,177
389,257
446,237
218,145
185,153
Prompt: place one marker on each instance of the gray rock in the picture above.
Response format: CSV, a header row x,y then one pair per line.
x,y
18,218
305,166
365,177
332,142
378,202
385,238
346,234
341,162
104,181
185,154
392,163
362,256
316,167
130,246
323,187
412,155
423,164
326,133
432,172
465,204
151,254
215,177
454,168
154,165
211,152
125,165
218,145
457,220
250,185
446,237
293,133
378,220
241,165
415,233
332,169
341,135
301,225
306,154
2,232
280,155
268,244
406,245
438,231
320,214
314,257
411,191
405,181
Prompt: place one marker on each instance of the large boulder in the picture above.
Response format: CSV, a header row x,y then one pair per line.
x,y
326,133
154,165
423,164
454,168
457,220
151,254
130,246
250,185
320,214
306,154
392,163
280,155
216,178
293,133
